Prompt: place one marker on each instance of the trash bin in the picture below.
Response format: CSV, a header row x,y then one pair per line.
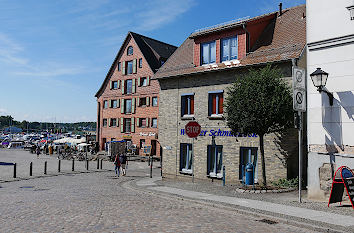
x,y
249,174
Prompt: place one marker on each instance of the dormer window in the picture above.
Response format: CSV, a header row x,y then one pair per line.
x,y
130,50
229,49
208,53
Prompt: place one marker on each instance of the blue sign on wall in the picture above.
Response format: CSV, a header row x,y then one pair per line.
x,y
221,133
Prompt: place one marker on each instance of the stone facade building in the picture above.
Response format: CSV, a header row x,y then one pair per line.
x,y
128,99
194,83
330,127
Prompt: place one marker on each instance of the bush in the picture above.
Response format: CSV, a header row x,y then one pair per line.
x,y
285,183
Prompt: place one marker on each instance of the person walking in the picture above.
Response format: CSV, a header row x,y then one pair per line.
x,y
38,151
124,163
117,165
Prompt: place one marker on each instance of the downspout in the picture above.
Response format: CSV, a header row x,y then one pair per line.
x,y
248,37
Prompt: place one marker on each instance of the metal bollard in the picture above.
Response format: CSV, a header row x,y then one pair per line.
x,y
98,163
31,168
151,167
87,164
73,165
101,163
223,175
14,170
45,167
59,165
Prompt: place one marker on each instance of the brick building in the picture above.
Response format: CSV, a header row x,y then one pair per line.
x,y
194,83
128,99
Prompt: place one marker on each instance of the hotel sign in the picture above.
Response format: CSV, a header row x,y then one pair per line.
x,y
220,133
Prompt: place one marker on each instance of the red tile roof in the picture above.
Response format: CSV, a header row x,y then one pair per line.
x,y
283,39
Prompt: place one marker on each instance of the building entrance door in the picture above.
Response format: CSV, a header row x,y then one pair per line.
x,y
248,155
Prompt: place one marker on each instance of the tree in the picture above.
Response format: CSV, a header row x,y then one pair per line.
x,y
259,102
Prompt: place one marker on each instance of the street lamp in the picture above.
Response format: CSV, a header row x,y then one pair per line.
x,y
319,80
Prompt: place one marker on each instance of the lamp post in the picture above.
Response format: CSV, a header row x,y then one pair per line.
x,y
319,80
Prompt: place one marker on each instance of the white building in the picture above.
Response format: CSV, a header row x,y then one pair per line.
x,y
330,46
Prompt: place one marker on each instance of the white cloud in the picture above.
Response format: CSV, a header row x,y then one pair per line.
x,y
161,12
9,51
3,111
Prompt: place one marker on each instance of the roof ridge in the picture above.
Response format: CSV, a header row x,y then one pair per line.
x,y
161,42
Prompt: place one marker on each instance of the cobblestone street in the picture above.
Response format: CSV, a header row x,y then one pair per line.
x,y
101,202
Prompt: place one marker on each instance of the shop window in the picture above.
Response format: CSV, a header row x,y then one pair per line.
x,y
104,122
208,53
154,122
140,63
130,50
186,158
215,105
214,162
248,155
105,104
229,49
187,105
154,101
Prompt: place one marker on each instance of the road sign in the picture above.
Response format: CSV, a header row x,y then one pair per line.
x,y
299,89
192,129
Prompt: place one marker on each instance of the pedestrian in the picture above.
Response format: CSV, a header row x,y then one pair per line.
x,y
38,151
124,163
117,165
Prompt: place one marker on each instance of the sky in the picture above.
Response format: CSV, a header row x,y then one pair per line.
x,y
54,55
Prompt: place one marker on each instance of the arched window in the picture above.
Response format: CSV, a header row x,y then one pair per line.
x,y
130,50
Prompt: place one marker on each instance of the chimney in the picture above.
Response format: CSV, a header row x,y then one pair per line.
x,y
280,9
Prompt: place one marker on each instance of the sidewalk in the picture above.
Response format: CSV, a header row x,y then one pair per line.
x,y
324,219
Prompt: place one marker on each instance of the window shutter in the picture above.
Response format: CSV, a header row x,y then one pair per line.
x,y
110,103
111,85
118,84
192,104
147,101
132,125
133,85
124,72
123,82
133,105
139,82
148,80
134,66
118,103
122,106
122,125
138,122
183,105
221,103
117,122
210,104
147,122
137,101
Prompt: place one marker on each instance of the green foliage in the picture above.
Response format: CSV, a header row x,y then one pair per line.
x,y
259,102
284,183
